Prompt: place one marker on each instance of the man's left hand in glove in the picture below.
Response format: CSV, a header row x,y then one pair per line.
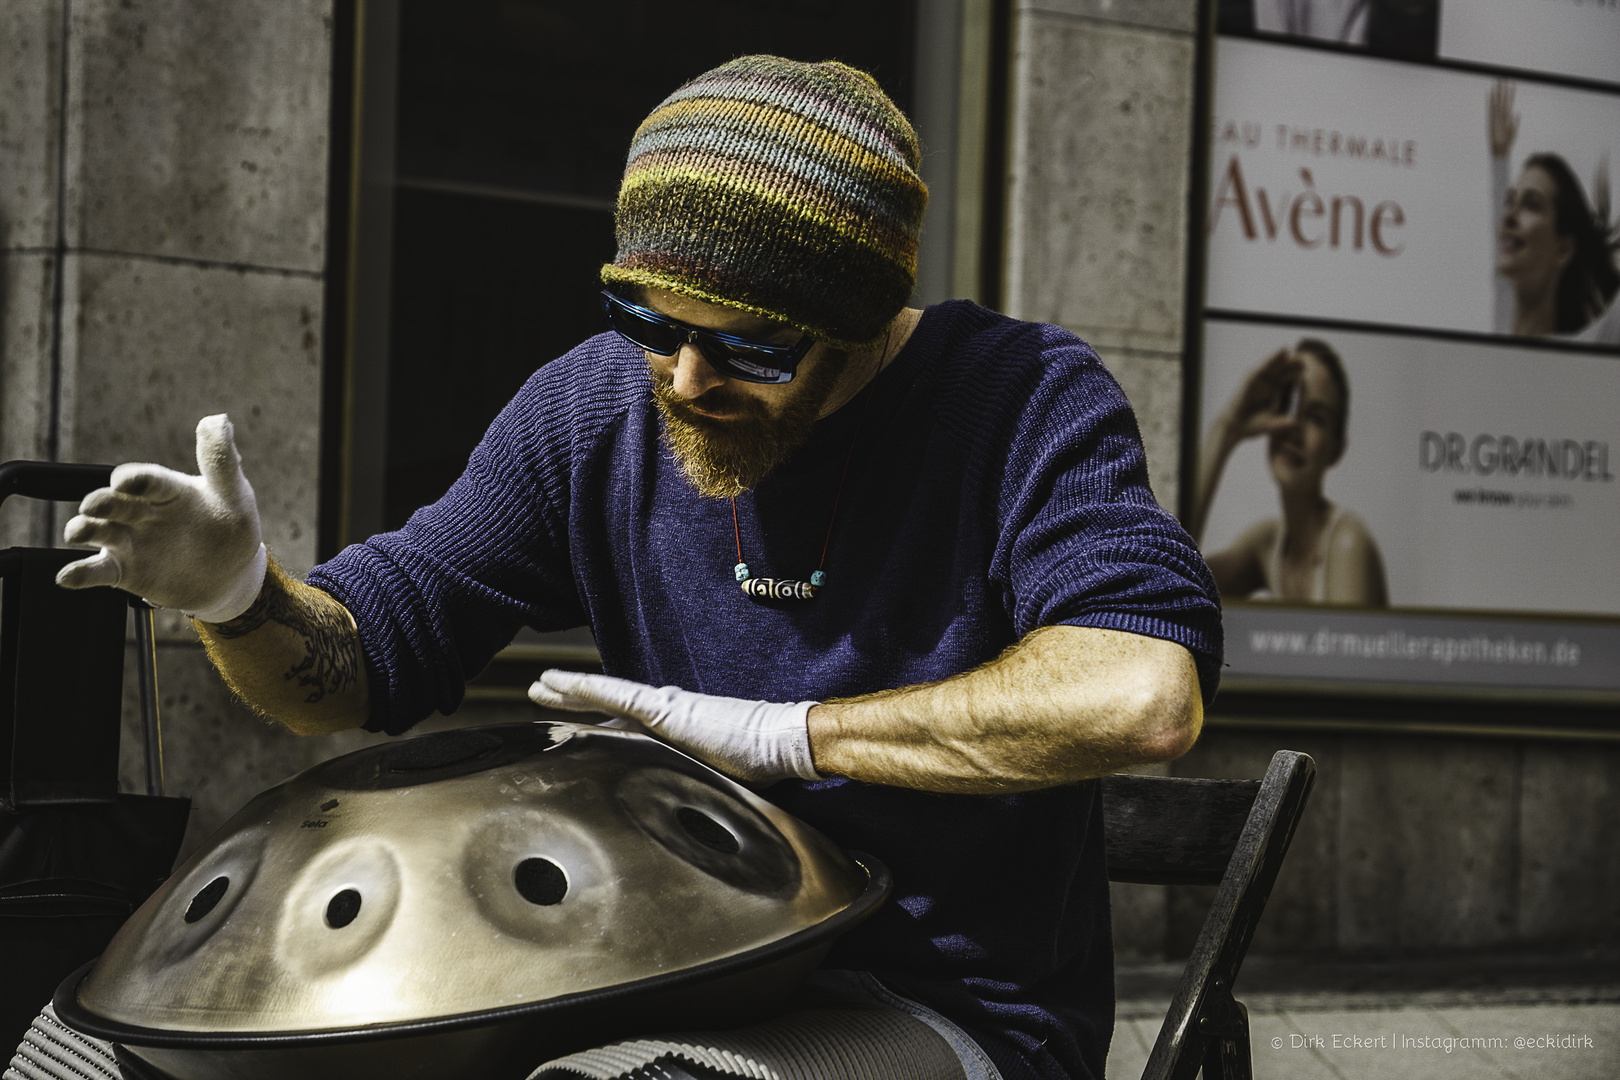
x,y
756,741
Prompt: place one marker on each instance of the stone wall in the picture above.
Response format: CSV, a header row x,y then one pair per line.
x,y
1418,845
162,257
1098,168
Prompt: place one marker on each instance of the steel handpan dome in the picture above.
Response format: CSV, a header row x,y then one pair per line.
x,y
474,900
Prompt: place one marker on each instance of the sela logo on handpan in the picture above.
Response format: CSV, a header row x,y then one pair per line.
x,y
317,823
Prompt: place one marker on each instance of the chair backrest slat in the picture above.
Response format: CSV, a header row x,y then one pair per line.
x,y
1165,830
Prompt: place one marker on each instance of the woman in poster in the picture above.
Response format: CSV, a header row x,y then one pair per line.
x,y
1316,551
1555,255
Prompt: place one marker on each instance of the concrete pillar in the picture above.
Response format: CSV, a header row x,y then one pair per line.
x,y
1098,174
30,124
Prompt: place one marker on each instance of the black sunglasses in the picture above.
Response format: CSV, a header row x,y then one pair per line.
x,y
732,356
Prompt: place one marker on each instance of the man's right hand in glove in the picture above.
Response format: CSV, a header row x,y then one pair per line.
x,y
179,541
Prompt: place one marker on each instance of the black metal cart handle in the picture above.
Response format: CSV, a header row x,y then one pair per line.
x,y
55,481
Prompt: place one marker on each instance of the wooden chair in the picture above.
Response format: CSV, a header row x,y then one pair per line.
x,y
1232,833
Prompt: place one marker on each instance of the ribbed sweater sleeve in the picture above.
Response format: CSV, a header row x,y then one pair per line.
x,y
1081,539
436,600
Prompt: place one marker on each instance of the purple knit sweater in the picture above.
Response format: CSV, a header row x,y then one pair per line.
x,y
998,485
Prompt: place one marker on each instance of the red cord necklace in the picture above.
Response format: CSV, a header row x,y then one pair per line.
x,y
765,588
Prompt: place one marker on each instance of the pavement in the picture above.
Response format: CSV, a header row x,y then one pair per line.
x,y
1483,1018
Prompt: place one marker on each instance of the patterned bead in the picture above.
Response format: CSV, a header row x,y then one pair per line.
x,y
766,588
741,571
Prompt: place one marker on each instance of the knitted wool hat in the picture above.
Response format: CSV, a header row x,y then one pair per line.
x,y
785,189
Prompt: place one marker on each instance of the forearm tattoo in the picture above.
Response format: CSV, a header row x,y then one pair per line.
x,y
331,662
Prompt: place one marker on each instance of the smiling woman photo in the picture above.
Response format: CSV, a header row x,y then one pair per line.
x,y
1316,551
1555,252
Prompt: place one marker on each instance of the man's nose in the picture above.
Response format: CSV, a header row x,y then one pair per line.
x,y
693,376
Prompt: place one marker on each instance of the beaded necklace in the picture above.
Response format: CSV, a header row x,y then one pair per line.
x,y
766,588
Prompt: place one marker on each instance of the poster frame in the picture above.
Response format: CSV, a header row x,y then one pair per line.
x,y
1342,704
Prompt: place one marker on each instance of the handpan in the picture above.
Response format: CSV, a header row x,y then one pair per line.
x,y
471,902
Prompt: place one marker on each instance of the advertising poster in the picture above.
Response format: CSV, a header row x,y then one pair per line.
x,y
1428,475
1409,28
1333,197
1483,476
1409,396
1565,39
1579,38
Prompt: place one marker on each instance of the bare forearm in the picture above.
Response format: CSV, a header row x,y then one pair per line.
x,y
1064,704
294,655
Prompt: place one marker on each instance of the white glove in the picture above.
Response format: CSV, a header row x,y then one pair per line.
x,y
179,541
756,741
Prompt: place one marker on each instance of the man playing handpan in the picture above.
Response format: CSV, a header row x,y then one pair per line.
x,y
902,565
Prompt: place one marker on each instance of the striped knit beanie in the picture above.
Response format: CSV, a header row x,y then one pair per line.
x,y
784,189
